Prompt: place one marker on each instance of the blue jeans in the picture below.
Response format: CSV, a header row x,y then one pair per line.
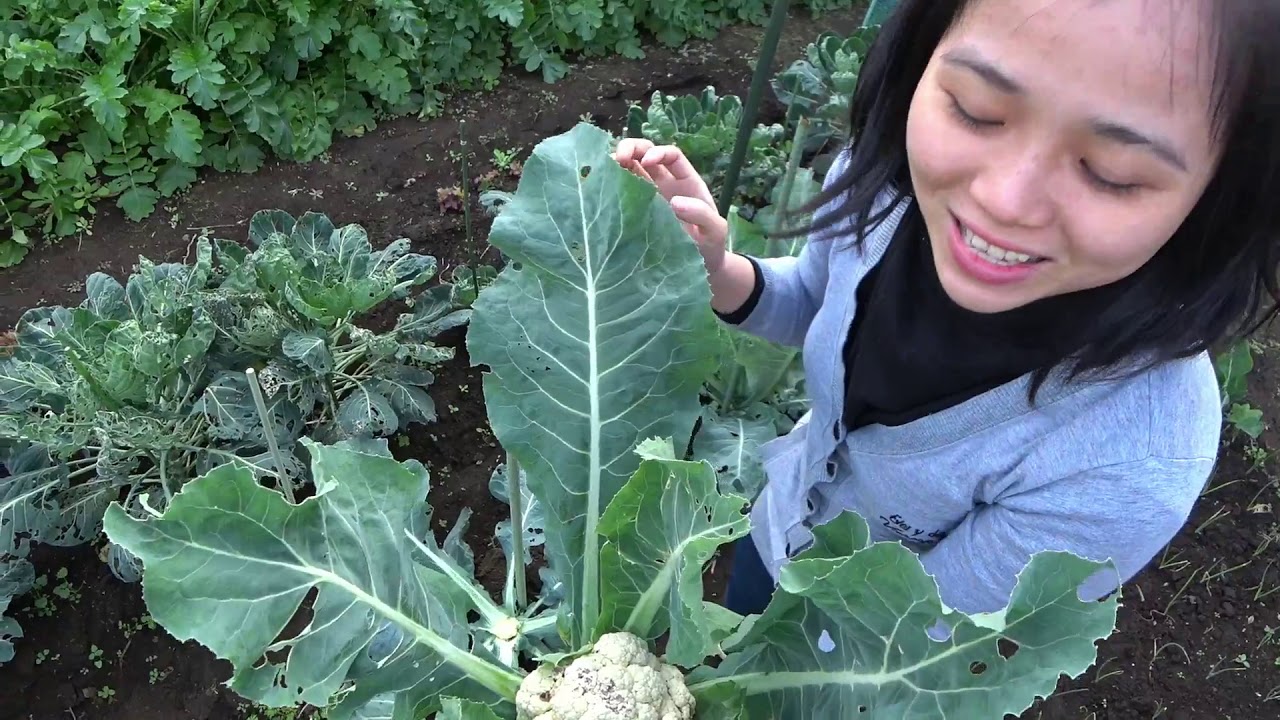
x,y
750,584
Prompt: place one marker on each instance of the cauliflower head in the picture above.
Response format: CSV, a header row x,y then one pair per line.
x,y
618,680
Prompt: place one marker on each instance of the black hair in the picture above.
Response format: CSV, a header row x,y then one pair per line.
x,y
1214,280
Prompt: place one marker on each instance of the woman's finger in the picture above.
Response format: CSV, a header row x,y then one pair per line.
x,y
635,167
631,149
672,159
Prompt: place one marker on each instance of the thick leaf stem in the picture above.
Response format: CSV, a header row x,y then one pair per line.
x,y
164,476
505,683
269,430
517,596
730,388
489,611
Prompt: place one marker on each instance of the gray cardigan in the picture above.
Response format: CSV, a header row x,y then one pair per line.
x,y
1107,469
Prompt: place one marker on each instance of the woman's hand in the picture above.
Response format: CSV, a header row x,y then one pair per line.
x,y
671,172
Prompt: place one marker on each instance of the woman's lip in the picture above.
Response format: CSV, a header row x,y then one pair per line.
x,y
993,240
972,264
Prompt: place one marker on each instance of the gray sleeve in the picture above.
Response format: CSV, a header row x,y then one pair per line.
x,y
791,289
790,292
1125,513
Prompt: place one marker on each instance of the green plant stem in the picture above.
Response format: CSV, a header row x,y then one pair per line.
x,y
517,593
466,210
164,476
211,451
773,246
83,470
489,611
735,375
879,11
269,429
759,81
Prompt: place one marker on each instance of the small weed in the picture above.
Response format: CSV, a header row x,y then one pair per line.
x,y
449,199
505,159
1240,663
106,693
44,593
44,656
157,675
133,627
95,656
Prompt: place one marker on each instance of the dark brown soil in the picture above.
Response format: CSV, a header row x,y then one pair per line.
x,y
1174,655
1195,637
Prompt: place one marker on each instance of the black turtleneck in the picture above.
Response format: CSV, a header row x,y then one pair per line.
x,y
912,352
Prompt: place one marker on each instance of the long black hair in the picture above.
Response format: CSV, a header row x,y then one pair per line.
x,y
1215,278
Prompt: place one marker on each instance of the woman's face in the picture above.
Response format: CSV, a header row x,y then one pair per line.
x,y
1056,145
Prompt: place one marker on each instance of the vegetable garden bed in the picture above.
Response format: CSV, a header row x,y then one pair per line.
x,y
1195,636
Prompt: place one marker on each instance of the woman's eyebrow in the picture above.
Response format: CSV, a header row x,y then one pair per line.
x,y
1126,135
1162,148
970,60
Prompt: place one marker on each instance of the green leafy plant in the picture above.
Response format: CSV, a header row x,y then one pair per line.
x,y
592,337
705,128
819,86
129,100
1233,367
182,368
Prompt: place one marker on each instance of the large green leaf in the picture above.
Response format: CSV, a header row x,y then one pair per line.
x,y
230,563
16,577
661,530
30,510
731,443
594,335
859,630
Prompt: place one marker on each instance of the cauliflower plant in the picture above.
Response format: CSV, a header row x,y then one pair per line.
x,y
618,680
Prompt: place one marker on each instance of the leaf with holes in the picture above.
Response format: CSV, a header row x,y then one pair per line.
x,y
16,577
326,273
660,532
593,336
366,412
227,405
233,578
859,627
310,349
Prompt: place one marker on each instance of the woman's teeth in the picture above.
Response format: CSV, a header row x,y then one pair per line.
x,y
996,255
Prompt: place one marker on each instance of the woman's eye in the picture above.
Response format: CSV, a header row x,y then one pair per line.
x,y
1105,184
967,118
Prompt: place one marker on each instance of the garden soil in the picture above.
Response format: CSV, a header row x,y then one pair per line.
x,y
1194,639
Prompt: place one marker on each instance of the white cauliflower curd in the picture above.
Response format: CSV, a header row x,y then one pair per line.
x,y
618,680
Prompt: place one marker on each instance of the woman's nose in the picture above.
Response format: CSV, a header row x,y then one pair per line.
x,y
1014,189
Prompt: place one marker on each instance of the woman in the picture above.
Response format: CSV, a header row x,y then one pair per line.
x,y
1050,212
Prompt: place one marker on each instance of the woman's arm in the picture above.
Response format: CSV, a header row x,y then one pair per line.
x,y
1124,513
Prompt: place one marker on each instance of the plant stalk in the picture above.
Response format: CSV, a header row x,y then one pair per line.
x,y
466,208
879,11
759,82
517,592
164,476
773,246
269,429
